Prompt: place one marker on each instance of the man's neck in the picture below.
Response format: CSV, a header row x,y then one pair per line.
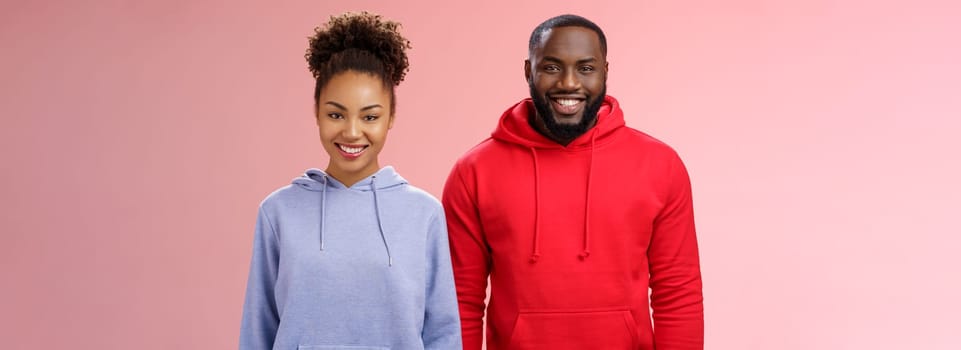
x,y
538,124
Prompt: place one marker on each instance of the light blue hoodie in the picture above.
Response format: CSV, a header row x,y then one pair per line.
x,y
364,267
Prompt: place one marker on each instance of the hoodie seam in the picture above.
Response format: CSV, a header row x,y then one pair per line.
x,y
270,224
427,241
670,190
430,222
459,170
460,178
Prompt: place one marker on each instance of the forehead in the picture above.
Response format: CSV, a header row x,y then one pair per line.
x,y
568,41
351,86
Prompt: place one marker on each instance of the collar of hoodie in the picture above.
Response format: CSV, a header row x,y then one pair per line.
x,y
318,181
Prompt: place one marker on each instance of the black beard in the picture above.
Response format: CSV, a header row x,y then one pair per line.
x,y
564,132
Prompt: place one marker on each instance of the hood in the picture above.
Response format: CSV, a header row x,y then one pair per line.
x,y
314,180
514,128
318,181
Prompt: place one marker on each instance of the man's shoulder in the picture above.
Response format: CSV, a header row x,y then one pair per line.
x,y
482,152
642,141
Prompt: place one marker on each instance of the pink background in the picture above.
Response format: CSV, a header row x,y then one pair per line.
x,y
822,138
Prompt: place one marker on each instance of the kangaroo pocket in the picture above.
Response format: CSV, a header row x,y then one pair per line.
x,y
341,347
574,329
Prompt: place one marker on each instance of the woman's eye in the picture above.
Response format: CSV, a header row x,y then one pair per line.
x,y
371,118
335,116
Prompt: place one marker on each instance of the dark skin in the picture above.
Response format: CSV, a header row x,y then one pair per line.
x,y
567,72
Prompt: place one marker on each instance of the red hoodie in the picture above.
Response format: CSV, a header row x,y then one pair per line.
x,y
572,238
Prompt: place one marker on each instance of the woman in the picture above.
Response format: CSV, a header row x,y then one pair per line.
x,y
352,257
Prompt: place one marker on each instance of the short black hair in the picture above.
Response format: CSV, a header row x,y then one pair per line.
x,y
567,20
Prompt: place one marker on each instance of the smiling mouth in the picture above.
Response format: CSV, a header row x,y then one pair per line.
x,y
567,106
351,151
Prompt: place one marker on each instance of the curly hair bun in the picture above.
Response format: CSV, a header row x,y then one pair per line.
x,y
356,35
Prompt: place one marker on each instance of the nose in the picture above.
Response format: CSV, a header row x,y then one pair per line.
x,y
353,129
569,81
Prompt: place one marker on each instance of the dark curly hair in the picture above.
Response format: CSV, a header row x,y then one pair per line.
x,y
362,42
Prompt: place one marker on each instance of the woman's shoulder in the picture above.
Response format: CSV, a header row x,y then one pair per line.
x,y
410,200
416,196
284,196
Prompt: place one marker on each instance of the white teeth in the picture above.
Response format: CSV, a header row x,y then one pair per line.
x,y
351,150
567,102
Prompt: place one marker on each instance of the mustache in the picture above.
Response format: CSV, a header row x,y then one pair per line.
x,y
565,131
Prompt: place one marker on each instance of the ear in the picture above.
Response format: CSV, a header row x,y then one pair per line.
x,y
527,70
390,122
606,66
316,116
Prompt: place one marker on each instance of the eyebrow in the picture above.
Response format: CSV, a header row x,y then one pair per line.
x,y
338,105
580,61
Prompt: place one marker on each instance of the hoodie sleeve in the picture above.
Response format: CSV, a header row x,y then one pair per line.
x,y
675,271
469,254
258,326
441,320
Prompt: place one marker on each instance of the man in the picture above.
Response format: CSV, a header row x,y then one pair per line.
x,y
573,216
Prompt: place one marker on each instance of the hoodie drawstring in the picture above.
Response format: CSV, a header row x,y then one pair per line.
x,y
536,254
587,204
373,188
323,212
586,252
